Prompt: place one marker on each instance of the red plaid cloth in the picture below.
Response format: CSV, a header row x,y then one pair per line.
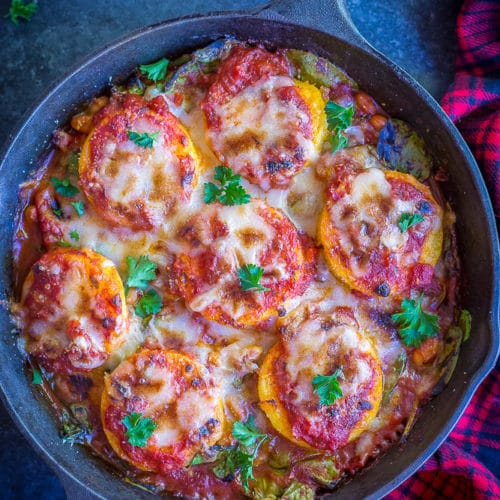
x,y
467,465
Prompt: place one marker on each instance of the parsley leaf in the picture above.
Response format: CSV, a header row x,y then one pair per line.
x,y
155,71
140,273
74,235
65,244
338,119
64,187
144,140
79,208
230,192
197,460
250,275
150,303
57,212
246,432
20,10
138,429
327,387
37,377
408,220
236,459
414,324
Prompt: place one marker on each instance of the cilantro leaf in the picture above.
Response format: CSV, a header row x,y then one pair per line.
x,y
338,119
230,192
74,235
246,432
79,208
37,377
250,275
414,324
197,460
20,10
64,187
138,429
408,220
327,387
140,273
144,140
150,303
57,212
155,71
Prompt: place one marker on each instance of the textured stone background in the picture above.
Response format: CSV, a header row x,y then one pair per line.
x,y
416,34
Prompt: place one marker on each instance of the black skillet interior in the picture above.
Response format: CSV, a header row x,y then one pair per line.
x,y
402,97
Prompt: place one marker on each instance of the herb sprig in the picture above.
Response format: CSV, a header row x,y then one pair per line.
x,y
140,273
64,187
20,10
155,71
338,119
327,387
408,220
250,275
150,303
230,192
414,324
145,140
139,429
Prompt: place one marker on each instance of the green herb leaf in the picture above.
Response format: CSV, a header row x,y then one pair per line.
x,y
246,432
250,275
327,387
64,187
144,140
57,212
408,220
140,273
338,119
79,208
230,192
37,377
65,244
465,322
197,460
75,235
150,303
155,71
138,429
20,10
414,324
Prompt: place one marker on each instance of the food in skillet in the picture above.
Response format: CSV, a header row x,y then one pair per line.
x,y
237,275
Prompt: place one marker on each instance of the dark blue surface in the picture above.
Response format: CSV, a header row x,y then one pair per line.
x,y
416,34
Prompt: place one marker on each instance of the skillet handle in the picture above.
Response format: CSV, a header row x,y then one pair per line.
x,y
330,16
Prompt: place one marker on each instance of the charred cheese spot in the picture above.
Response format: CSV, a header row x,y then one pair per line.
x,y
220,240
314,343
358,228
134,186
73,312
177,394
261,122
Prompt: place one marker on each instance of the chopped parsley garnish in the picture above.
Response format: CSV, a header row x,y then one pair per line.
x,y
246,432
240,458
64,187
150,303
327,387
144,140
20,10
414,324
230,192
139,429
155,71
338,119
408,220
197,460
250,275
37,377
57,212
140,273
79,208
65,244
74,235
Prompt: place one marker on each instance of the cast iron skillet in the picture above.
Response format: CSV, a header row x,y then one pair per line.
x,y
322,27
